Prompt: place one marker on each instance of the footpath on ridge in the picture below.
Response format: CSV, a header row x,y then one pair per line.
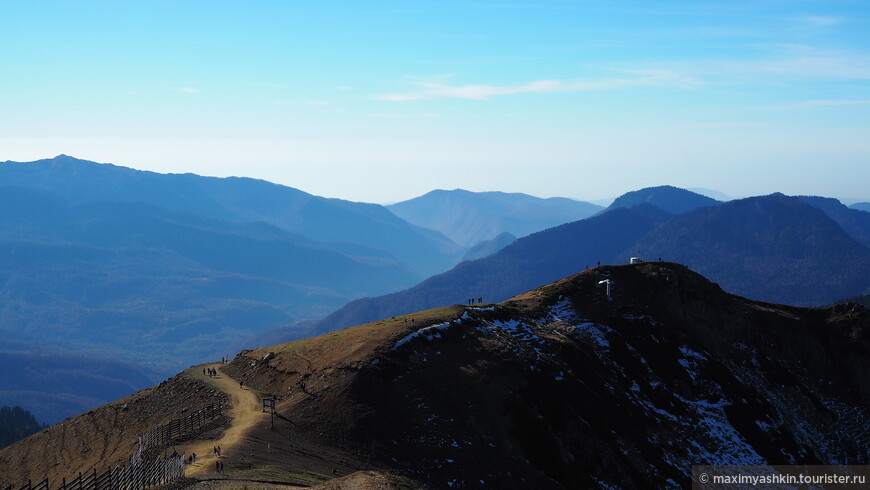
x,y
244,411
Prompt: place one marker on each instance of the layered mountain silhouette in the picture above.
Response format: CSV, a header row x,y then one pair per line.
x,y
559,387
241,200
489,247
161,286
853,221
773,248
56,385
469,218
666,197
861,206
536,259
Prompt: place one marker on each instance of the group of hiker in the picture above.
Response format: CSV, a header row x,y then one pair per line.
x,y
218,464
210,372
216,452
471,301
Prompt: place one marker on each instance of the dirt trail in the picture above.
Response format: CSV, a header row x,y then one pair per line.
x,y
245,410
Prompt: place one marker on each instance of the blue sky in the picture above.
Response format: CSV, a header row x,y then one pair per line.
x,y
383,101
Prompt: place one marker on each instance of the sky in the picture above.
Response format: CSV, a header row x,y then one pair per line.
x,y
384,101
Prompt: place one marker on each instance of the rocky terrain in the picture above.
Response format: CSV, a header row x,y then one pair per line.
x,y
560,387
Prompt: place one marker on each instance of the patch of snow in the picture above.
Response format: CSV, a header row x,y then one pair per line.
x,y
563,310
692,354
722,443
595,332
429,333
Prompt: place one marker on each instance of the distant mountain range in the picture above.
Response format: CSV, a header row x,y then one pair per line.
x,y
489,247
56,385
241,200
772,248
162,285
163,270
861,206
469,218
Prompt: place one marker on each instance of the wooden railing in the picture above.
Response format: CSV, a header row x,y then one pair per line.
x,y
140,473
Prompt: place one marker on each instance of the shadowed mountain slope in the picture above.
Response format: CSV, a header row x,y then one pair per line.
x,y
16,424
558,387
853,221
773,248
469,218
561,388
861,206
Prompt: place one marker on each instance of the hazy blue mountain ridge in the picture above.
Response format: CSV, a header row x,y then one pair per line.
x,y
489,247
132,277
861,206
469,218
238,199
54,385
666,197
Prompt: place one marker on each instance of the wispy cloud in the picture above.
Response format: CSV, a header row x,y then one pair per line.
x,y
301,102
837,102
267,84
803,62
434,89
400,97
818,20
422,115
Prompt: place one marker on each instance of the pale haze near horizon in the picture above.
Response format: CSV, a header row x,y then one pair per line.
x,y
384,102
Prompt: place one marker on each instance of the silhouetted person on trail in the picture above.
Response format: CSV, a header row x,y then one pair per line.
x,y
479,300
240,383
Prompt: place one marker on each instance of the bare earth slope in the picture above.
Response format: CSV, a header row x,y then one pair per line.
x,y
105,436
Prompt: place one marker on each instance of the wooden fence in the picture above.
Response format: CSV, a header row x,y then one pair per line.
x,y
140,473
